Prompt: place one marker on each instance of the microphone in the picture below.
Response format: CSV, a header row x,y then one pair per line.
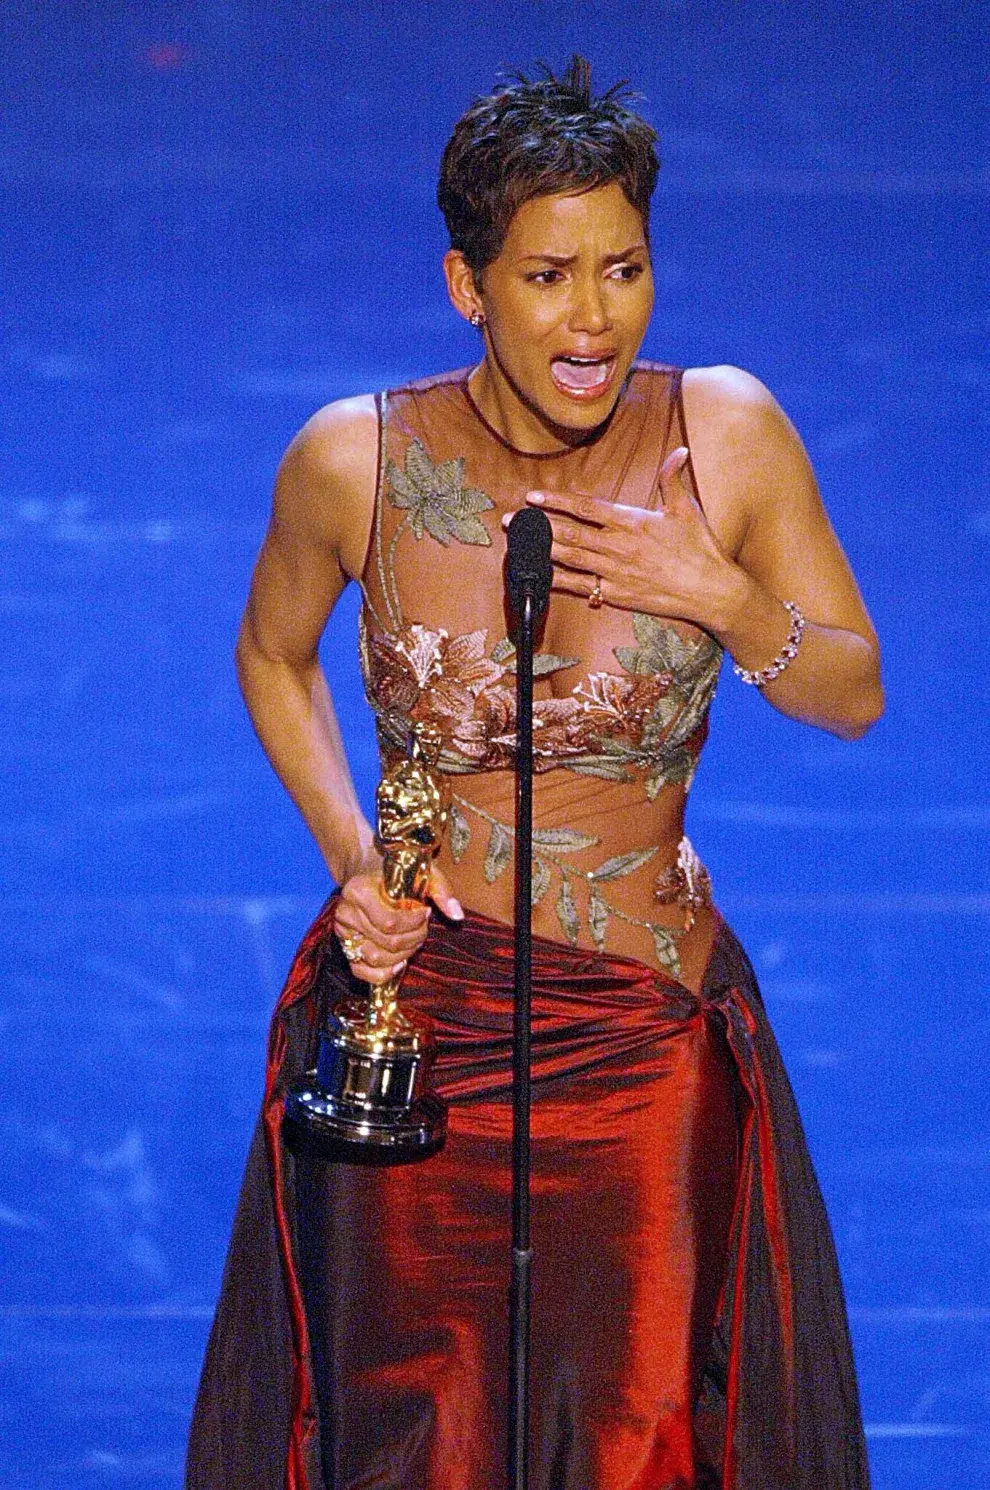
x,y
529,569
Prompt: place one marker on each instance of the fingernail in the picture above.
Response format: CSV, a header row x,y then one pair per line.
x,y
400,967
536,497
455,910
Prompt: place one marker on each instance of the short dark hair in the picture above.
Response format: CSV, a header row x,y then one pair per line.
x,y
533,138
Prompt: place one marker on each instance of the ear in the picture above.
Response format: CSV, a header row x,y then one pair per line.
x,y
464,293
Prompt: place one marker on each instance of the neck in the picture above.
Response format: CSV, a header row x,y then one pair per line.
x,y
518,421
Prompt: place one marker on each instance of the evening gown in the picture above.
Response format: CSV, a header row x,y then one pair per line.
x,y
688,1325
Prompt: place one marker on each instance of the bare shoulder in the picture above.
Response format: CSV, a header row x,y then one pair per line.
x,y
745,450
725,385
728,403
325,489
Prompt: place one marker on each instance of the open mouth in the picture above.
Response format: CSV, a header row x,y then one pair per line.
x,y
583,377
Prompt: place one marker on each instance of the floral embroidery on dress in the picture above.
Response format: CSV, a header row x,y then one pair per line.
x,y
420,675
607,726
436,498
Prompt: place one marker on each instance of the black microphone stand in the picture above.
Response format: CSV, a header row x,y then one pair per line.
x,y
522,1256
529,575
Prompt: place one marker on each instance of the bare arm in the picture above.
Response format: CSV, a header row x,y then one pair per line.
x,y
763,538
764,493
324,489
316,542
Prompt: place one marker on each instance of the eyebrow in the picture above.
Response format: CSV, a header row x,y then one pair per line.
x,y
561,261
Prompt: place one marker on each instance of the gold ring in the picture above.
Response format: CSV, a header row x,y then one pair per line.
x,y
595,598
351,948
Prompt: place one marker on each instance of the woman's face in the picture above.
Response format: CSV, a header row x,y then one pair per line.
x,y
566,306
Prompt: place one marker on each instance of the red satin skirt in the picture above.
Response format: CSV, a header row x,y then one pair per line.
x,y
688,1331
634,1158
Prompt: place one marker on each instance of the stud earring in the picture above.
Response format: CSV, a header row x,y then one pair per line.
x,y
477,319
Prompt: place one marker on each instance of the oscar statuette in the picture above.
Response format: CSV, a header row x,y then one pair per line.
x,y
367,1100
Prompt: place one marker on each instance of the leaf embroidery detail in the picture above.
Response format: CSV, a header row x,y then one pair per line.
x,y
605,770
544,663
597,920
600,911
698,701
662,649
541,880
675,768
614,869
666,947
436,498
567,912
460,833
499,852
564,840
659,720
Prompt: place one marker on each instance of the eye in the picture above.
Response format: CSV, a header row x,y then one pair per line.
x,y
625,273
544,277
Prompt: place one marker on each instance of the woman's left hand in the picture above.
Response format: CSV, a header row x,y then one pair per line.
x,y
666,562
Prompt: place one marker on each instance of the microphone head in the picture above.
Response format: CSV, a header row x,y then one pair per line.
x,y
529,568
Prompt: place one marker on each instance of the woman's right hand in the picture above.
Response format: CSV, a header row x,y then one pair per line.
x,y
387,934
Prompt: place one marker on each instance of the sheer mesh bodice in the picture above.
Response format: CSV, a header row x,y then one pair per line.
x,y
621,698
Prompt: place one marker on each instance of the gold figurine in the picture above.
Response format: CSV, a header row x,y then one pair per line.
x,y
366,1101
412,804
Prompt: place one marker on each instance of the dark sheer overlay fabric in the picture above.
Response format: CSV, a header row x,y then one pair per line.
x,y
689,1328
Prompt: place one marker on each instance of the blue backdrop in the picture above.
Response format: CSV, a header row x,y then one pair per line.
x,y
219,216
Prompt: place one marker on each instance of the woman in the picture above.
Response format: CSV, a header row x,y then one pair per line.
x,y
688,1325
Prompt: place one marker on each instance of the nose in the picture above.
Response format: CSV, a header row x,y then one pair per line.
x,y
589,307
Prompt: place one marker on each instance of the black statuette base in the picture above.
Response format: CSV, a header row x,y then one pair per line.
x,y
352,1133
